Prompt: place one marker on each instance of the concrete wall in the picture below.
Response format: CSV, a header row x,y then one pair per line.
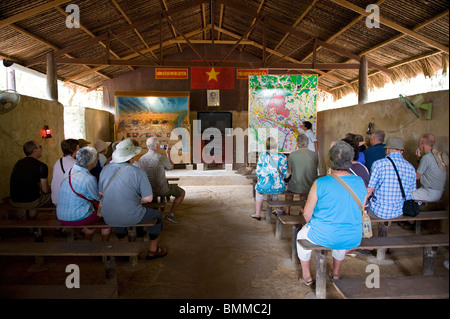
x,y
99,125
24,123
393,118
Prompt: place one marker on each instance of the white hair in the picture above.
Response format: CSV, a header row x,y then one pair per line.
x,y
86,156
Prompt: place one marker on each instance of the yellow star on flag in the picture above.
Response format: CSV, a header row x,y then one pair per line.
x,y
212,75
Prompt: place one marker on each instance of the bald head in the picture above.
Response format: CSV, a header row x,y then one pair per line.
x,y
428,139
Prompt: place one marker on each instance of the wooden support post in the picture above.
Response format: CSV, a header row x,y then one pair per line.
x,y
268,211
52,83
132,233
278,229
363,81
321,274
110,271
70,231
418,227
429,256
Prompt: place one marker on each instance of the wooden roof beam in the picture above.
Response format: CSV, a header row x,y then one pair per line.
x,y
253,21
117,31
201,56
302,16
135,30
348,26
154,47
52,46
416,28
281,26
393,25
29,13
169,18
64,13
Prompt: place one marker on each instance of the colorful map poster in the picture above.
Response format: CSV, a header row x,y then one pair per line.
x,y
277,100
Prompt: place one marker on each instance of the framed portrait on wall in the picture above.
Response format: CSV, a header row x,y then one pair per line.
x,y
213,97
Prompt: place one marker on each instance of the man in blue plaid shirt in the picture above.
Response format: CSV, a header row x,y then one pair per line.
x,y
387,200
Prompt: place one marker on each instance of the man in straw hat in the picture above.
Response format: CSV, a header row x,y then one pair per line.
x,y
124,188
387,201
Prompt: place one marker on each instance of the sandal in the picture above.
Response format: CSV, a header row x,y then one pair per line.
x,y
306,281
160,252
335,277
256,217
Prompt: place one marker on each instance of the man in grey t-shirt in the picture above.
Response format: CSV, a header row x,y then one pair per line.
x,y
303,165
155,165
431,176
124,188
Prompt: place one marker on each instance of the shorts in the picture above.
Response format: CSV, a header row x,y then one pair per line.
x,y
92,218
174,190
44,200
259,197
427,194
153,231
305,255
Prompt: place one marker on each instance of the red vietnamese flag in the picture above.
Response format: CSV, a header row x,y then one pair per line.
x,y
212,78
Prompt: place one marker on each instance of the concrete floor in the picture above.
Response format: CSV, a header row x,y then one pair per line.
x,y
215,252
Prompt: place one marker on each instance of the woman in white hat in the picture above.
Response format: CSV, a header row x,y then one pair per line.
x,y
124,188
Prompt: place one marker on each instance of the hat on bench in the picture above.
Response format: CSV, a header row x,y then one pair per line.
x,y
125,151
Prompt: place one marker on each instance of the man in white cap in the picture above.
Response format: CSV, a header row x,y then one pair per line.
x,y
387,201
124,188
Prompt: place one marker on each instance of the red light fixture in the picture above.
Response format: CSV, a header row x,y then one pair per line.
x,y
47,132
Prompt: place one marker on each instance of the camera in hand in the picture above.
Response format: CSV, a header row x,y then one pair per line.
x,y
164,146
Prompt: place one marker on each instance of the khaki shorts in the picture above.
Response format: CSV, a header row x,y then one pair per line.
x,y
174,190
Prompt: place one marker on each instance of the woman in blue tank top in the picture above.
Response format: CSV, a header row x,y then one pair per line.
x,y
333,217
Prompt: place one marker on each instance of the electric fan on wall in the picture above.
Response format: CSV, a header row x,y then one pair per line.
x,y
416,104
9,99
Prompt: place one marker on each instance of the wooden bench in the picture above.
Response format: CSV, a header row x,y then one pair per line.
x,y
422,216
58,292
406,287
109,250
429,243
39,224
296,221
17,212
283,203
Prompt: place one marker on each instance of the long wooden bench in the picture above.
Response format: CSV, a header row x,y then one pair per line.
x,y
429,243
284,203
58,292
39,224
109,250
406,287
423,215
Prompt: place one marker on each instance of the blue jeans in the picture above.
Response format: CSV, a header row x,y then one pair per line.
x,y
153,231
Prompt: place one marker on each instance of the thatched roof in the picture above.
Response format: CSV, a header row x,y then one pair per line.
x,y
326,37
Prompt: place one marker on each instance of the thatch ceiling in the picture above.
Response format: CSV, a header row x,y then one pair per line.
x,y
326,37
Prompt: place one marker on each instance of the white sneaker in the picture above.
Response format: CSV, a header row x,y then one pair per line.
x,y
446,264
